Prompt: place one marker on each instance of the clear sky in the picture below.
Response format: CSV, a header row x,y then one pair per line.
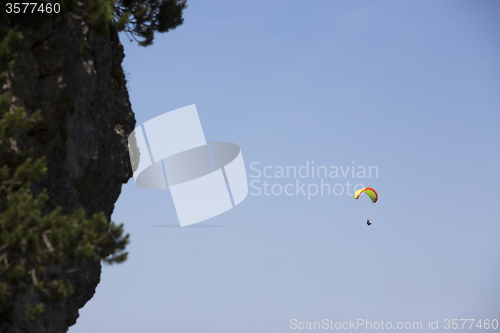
x,y
411,87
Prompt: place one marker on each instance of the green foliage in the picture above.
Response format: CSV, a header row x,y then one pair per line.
x,y
31,242
7,55
141,18
33,311
138,18
100,12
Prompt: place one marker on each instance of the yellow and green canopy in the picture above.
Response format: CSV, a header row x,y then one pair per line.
x,y
369,191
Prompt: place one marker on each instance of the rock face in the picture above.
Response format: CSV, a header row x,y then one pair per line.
x,y
74,75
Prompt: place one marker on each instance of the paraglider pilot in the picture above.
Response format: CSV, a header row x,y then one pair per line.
x,y
371,193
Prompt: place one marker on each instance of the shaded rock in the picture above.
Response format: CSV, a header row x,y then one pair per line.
x,y
74,75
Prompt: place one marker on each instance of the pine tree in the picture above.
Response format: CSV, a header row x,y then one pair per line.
x,y
142,18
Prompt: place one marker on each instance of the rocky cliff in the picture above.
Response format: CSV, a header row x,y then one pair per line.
x,y
73,74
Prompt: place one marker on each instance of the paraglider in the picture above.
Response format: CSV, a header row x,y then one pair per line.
x,y
371,193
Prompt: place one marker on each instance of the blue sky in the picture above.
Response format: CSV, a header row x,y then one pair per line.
x,y
410,87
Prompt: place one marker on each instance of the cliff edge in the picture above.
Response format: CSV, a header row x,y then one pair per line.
x,y
73,74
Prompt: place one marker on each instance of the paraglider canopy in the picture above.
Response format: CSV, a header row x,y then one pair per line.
x,y
369,191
